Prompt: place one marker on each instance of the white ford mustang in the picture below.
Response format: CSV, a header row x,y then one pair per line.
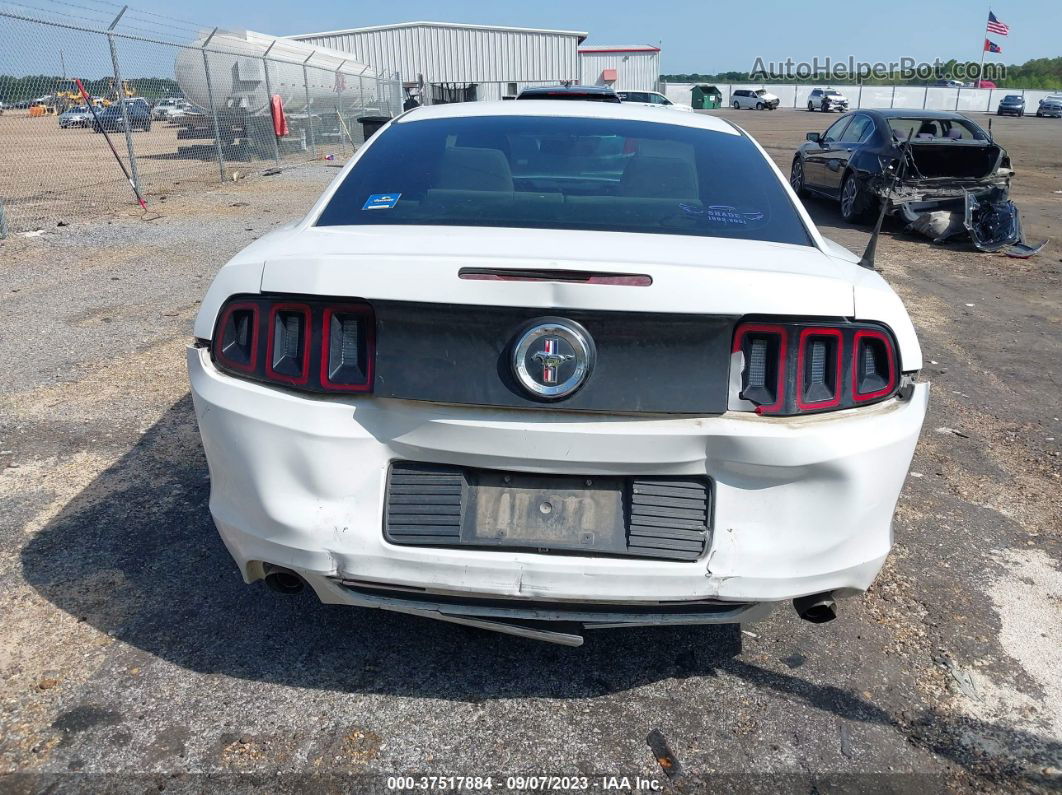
x,y
537,366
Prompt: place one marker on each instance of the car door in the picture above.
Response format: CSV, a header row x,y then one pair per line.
x,y
739,99
816,156
852,136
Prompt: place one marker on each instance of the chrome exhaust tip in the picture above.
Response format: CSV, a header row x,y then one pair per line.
x,y
283,581
818,608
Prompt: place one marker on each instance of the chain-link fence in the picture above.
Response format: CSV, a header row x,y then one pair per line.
x,y
179,104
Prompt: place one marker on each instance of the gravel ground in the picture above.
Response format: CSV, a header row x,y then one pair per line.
x,y
133,656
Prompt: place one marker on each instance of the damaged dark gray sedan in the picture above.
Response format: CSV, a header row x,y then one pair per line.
x,y
939,171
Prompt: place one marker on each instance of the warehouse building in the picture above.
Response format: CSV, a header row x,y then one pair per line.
x,y
634,67
454,62
449,62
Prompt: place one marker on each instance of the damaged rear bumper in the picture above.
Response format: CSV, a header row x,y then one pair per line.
x,y
944,209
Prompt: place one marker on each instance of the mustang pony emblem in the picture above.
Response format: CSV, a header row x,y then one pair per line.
x,y
550,360
552,357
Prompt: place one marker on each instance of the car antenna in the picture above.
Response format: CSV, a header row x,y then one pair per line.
x,y
867,260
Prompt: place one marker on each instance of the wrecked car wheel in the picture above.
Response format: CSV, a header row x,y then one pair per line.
x,y
736,105
759,106
854,200
796,177
811,108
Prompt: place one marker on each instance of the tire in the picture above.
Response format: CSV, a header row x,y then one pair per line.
x,y
737,105
1021,113
796,177
855,207
811,108
759,106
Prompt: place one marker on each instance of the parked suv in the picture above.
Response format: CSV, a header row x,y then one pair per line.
x,y
111,118
168,108
826,100
760,99
1011,105
1050,106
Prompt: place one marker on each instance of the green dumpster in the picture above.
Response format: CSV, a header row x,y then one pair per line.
x,y
706,97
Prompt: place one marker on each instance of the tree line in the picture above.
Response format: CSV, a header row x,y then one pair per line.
x,y
1042,73
19,89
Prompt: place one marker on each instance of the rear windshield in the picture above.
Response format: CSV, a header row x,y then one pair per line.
x,y
936,129
567,173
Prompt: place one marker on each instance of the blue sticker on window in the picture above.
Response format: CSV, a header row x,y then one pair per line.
x,y
381,201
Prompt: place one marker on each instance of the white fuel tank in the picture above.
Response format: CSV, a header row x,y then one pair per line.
x,y
238,75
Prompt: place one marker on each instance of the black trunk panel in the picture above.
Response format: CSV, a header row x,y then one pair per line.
x,y
451,353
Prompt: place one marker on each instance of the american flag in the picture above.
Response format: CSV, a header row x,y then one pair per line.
x,y
995,26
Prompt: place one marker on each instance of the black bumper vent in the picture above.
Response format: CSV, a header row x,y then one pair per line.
x,y
439,505
668,518
424,504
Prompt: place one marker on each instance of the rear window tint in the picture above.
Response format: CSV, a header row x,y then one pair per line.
x,y
567,173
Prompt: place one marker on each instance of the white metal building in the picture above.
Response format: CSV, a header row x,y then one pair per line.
x,y
446,56
633,67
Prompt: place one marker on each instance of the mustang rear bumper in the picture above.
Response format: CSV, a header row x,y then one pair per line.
x,y
801,505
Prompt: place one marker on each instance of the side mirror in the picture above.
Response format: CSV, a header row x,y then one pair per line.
x,y
814,136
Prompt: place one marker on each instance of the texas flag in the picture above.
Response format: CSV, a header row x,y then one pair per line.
x,y
995,26
992,47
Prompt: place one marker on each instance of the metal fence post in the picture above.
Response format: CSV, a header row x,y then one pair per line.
x,y
859,99
892,99
4,231
925,98
269,103
213,106
309,118
119,93
341,84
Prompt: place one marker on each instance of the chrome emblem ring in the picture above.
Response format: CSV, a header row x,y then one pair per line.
x,y
552,358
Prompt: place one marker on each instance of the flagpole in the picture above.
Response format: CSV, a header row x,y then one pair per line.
x,y
981,71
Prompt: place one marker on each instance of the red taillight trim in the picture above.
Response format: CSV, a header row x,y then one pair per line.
x,y
815,331
862,397
771,328
370,346
272,374
219,354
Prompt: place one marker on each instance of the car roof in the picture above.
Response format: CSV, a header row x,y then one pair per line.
x,y
913,113
567,89
567,108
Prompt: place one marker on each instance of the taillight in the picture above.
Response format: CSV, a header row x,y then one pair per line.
x,y
791,368
763,376
819,369
874,365
312,345
236,337
347,357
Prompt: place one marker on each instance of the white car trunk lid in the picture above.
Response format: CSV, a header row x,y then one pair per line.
x,y
695,275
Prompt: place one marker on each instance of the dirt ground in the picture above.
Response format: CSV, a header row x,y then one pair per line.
x,y
49,174
134,657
